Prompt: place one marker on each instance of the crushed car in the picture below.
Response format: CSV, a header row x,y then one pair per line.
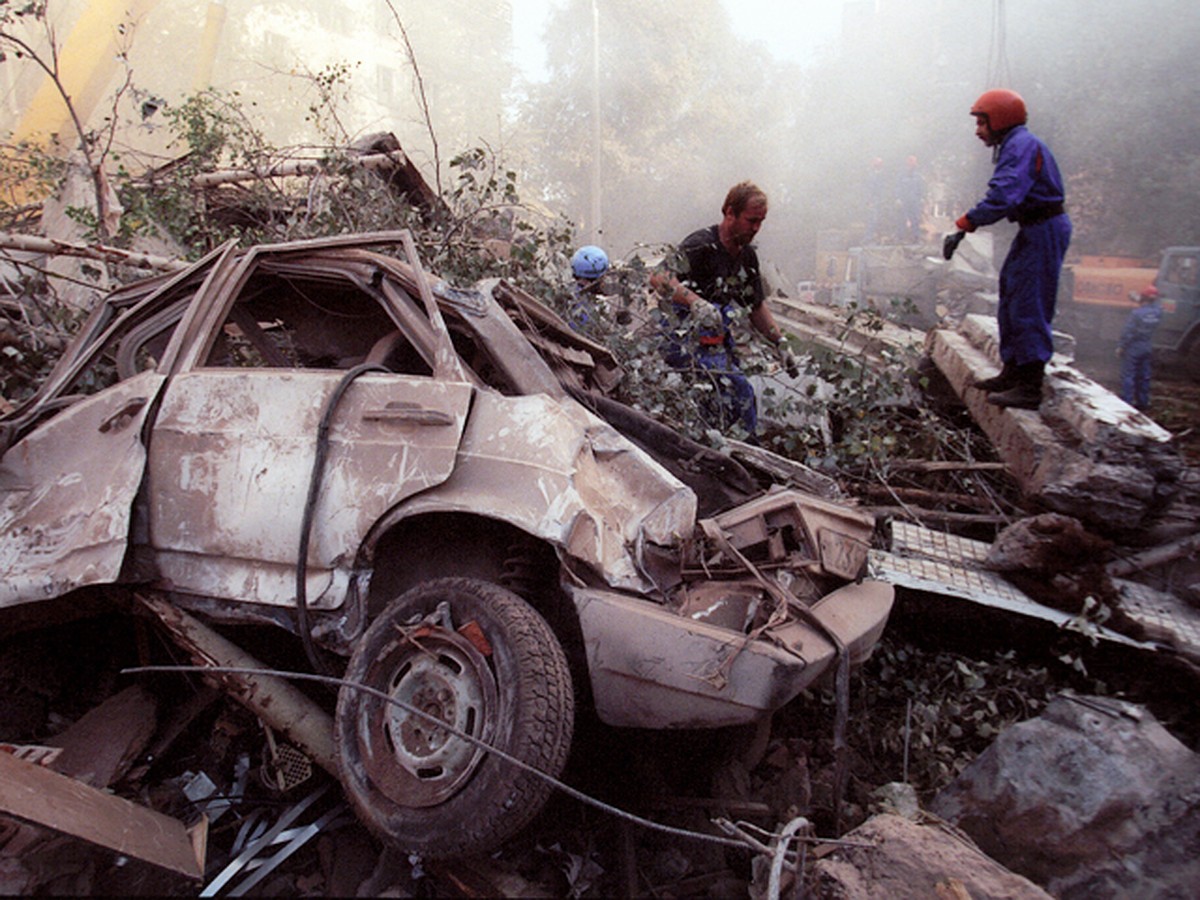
x,y
429,488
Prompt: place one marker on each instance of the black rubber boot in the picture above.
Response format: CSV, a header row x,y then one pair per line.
x,y
1027,392
1001,382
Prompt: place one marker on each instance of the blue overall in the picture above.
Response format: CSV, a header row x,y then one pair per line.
x,y
1135,345
581,313
1026,188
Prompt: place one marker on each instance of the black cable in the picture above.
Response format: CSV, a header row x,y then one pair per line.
x,y
310,505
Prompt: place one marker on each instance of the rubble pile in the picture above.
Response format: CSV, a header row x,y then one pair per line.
x,y
126,769
1085,453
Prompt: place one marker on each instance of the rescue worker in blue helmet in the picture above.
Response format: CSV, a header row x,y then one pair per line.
x,y
589,265
1135,347
1026,187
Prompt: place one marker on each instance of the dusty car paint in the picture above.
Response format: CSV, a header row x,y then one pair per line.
x,y
653,668
563,475
231,464
709,623
65,504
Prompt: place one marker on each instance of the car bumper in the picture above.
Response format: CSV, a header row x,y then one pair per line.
x,y
651,667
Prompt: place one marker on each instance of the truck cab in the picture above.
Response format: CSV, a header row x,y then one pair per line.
x,y
1097,293
1178,283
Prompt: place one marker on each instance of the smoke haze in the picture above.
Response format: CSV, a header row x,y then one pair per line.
x,y
688,105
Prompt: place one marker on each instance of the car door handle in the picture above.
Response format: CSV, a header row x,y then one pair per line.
x,y
408,414
123,416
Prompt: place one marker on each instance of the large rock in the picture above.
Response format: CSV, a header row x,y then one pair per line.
x,y
899,859
1093,799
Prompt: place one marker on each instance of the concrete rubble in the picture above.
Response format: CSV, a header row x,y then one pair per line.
x,y
890,857
826,327
1091,799
1084,453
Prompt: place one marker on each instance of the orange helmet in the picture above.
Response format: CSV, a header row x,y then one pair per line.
x,y
1150,292
1003,109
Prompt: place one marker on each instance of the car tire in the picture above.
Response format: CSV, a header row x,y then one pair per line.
x,y
480,658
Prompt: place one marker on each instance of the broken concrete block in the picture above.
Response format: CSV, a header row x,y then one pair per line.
x,y
1045,543
895,858
1084,452
1094,798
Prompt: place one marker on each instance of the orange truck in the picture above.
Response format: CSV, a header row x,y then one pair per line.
x,y
1097,293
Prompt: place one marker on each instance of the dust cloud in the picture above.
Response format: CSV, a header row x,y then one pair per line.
x,y
638,146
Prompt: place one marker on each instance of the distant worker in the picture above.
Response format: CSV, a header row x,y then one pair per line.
x,y
716,270
910,191
589,265
1025,188
1134,347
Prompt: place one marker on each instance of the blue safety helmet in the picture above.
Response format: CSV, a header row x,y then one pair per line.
x,y
589,262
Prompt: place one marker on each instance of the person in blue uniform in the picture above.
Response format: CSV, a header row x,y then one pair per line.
x,y
1134,348
1026,187
589,265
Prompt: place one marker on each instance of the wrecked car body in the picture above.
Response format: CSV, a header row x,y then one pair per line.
x,y
410,477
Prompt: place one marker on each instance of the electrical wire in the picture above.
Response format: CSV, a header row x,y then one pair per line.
x,y
310,505
741,844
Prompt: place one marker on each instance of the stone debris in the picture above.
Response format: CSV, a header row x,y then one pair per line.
x,y
891,857
1093,798
1084,453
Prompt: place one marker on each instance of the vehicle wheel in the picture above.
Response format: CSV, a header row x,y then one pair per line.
x,y
482,660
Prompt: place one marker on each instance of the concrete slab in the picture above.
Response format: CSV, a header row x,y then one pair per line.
x,y
1084,452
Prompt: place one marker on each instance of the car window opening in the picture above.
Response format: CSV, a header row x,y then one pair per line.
x,y
312,324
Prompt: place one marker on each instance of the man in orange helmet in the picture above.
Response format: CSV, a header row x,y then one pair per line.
x,y
1027,188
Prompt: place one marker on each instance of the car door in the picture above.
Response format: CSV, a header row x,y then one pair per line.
x,y
240,433
68,482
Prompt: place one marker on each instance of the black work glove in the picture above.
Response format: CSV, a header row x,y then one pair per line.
x,y
950,243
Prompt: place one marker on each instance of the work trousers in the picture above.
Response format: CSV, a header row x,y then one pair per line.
x,y
1029,288
1135,377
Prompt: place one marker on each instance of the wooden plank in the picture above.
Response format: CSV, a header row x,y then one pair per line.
x,y
100,747
37,795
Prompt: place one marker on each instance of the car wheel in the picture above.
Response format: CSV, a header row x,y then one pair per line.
x,y
480,659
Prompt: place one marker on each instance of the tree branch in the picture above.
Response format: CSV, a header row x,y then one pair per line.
x,y
412,58
99,252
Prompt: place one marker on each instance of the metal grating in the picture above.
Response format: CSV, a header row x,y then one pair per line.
x,y
1165,617
952,566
